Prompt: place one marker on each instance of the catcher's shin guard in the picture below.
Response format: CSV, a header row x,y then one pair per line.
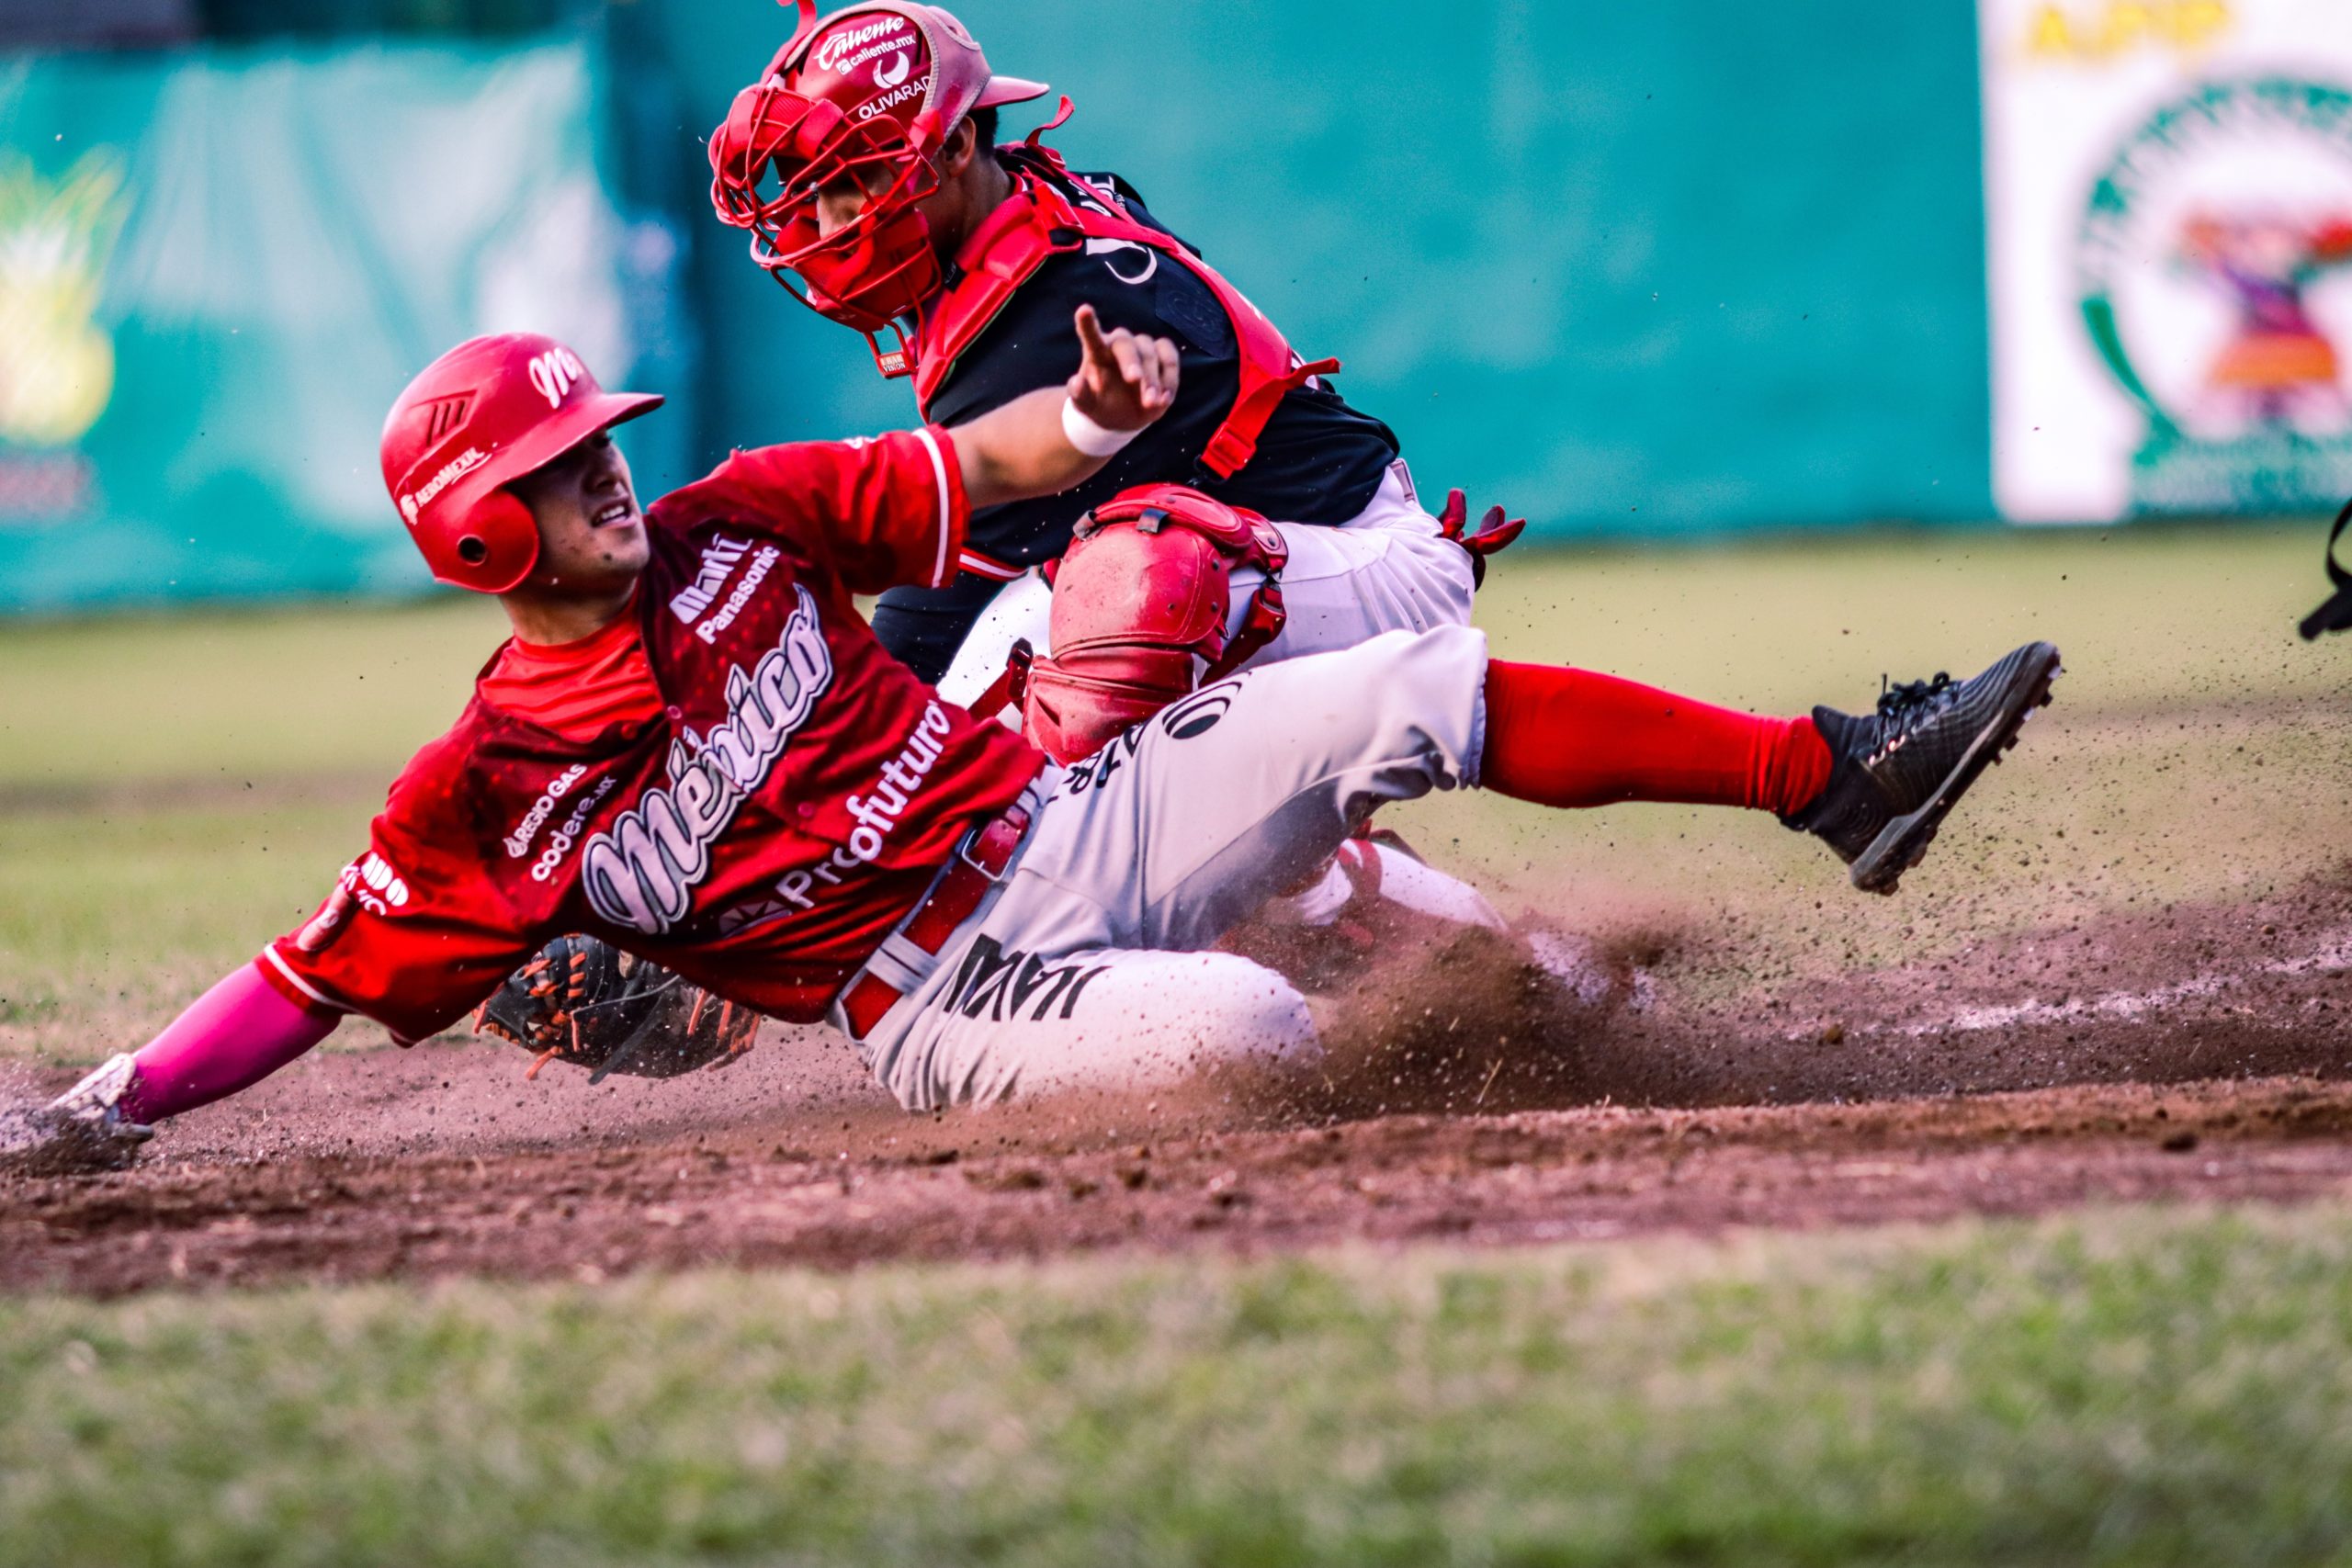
x,y
1140,614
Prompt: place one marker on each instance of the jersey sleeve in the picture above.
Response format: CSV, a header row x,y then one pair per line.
x,y
411,935
880,512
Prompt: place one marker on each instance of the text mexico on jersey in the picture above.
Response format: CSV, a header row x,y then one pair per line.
x,y
762,836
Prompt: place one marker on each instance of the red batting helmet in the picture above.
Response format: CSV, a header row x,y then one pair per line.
x,y
869,93
1140,605
480,417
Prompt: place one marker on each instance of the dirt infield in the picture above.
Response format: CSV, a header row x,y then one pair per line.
x,y
2196,1052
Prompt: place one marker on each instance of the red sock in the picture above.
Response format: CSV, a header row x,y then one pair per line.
x,y
1561,736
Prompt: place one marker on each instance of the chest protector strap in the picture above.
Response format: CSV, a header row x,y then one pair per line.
x,y
1039,223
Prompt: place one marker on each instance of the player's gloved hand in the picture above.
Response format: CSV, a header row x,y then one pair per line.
x,y
80,1132
1124,381
587,1003
1493,533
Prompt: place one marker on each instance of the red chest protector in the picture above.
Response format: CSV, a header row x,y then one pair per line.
x,y
1038,222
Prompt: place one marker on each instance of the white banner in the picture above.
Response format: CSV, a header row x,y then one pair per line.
x,y
2169,202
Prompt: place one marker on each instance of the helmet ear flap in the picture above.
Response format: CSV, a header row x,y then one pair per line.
x,y
494,546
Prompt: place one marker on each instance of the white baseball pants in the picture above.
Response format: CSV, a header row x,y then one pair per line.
x,y
1085,968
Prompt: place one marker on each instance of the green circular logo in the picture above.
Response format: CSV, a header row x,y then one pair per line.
x,y
2215,264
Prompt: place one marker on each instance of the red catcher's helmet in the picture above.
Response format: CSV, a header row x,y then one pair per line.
x,y
1140,607
868,93
480,417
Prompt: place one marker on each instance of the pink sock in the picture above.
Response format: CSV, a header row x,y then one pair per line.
x,y
236,1034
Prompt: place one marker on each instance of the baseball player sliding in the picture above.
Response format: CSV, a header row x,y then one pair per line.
x,y
693,748
864,164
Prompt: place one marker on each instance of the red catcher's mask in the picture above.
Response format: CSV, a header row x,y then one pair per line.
x,y
474,421
865,94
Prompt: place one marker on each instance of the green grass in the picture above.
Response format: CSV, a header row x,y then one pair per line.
x,y
2151,618
176,791
114,917
2153,1387
2148,619
2199,751
221,699
2198,748
2133,1387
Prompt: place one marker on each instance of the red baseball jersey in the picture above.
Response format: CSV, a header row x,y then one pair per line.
x,y
762,835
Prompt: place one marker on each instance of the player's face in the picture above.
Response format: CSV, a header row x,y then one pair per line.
x,y
592,535
945,210
843,197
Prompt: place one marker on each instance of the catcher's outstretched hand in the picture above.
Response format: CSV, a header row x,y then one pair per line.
x,y
1124,381
1045,442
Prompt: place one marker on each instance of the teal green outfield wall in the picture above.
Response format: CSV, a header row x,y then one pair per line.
x,y
217,269
1672,269
1676,267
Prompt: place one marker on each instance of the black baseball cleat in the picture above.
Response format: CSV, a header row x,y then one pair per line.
x,y
1897,771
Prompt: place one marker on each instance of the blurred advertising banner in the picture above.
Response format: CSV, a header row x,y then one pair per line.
x,y
2169,220
217,270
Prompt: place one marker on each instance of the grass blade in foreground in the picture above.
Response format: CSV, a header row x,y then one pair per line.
x,y
2148,1386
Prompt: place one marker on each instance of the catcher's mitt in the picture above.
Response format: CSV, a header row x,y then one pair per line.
x,y
589,1004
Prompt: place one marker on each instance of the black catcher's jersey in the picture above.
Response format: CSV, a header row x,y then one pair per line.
x,y
1319,461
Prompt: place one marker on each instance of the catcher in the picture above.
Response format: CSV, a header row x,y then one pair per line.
x,y
864,164
757,796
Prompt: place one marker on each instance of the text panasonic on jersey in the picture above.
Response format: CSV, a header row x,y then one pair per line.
x,y
642,872
718,559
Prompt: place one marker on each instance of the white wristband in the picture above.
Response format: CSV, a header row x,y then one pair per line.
x,y
1095,440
